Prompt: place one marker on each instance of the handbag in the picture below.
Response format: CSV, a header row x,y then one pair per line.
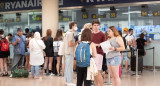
x,y
129,53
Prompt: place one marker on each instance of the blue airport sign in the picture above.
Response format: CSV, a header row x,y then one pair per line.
x,y
16,5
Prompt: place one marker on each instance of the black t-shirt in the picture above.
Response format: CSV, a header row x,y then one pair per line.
x,y
140,45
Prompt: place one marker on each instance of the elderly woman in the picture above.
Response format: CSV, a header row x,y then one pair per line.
x,y
36,54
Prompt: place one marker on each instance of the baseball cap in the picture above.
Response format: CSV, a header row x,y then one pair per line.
x,y
125,29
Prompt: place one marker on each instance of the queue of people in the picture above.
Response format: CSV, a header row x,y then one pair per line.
x,y
65,49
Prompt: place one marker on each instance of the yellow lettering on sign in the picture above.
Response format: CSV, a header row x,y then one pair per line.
x,y
38,18
18,19
144,13
113,15
84,16
1,20
94,16
66,19
156,13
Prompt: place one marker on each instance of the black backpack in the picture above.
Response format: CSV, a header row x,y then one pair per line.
x,y
124,40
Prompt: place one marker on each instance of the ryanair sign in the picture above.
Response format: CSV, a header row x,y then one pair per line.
x,y
13,5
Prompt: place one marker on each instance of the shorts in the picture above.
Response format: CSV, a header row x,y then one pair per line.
x,y
28,52
125,58
115,61
99,61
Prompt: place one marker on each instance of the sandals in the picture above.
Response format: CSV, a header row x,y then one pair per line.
x,y
1,75
5,74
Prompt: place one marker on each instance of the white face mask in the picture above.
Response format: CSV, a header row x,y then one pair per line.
x,y
75,28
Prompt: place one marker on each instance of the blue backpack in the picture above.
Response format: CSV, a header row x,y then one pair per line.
x,y
83,55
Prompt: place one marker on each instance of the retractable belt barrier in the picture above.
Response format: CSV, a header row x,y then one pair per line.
x,y
137,58
137,75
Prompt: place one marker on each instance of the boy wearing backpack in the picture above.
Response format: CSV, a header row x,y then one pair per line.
x,y
125,58
4,53
83,53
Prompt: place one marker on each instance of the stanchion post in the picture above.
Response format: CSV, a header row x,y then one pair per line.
x,y
137,62
109,79
154,59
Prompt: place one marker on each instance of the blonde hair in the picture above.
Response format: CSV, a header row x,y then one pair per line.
x,y
87,25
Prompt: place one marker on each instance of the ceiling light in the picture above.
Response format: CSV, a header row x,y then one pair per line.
x,y
132,12
105,9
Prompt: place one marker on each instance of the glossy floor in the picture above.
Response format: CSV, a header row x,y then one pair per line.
x,y
147,79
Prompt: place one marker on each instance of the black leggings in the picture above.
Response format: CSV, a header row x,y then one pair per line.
x,y
81,76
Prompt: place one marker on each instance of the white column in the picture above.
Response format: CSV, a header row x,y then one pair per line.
x,y
50,16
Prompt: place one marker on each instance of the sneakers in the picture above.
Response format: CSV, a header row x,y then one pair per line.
x,y
11,76
52,74
71,84
59,75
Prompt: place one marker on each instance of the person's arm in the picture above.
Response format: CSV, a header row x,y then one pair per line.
x,y
146,42
94,51
70,38
14,41
71,44
43,46
121,43
75,51
134,42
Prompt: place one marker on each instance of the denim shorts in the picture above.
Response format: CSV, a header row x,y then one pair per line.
x,y
125,58
115,61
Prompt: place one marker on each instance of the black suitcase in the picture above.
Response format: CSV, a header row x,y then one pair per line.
x,y
140,63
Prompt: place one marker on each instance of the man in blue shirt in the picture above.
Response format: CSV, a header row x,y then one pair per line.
x,y
18,42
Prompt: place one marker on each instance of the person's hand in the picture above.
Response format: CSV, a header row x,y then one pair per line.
x,y
18,39
112,48
97,45
77,42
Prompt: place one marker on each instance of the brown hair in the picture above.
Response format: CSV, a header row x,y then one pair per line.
x,y
1,31
58,35
114,29
95,22
86,35
142,35
106,34
72,24
48,33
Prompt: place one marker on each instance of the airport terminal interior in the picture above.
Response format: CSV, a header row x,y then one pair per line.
x,y
142,16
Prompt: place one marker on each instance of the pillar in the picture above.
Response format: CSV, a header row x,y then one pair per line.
x,y
50,16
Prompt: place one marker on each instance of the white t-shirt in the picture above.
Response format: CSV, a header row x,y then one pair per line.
x,y
129,38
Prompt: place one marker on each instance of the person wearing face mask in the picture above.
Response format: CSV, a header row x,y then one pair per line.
x,y
69,46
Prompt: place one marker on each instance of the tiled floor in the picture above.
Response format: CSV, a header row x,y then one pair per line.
x,y
147,79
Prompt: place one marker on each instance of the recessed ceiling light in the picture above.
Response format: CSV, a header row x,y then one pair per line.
x,y
106,9
132,12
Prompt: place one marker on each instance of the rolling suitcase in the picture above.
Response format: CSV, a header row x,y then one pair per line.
x,y
140,63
